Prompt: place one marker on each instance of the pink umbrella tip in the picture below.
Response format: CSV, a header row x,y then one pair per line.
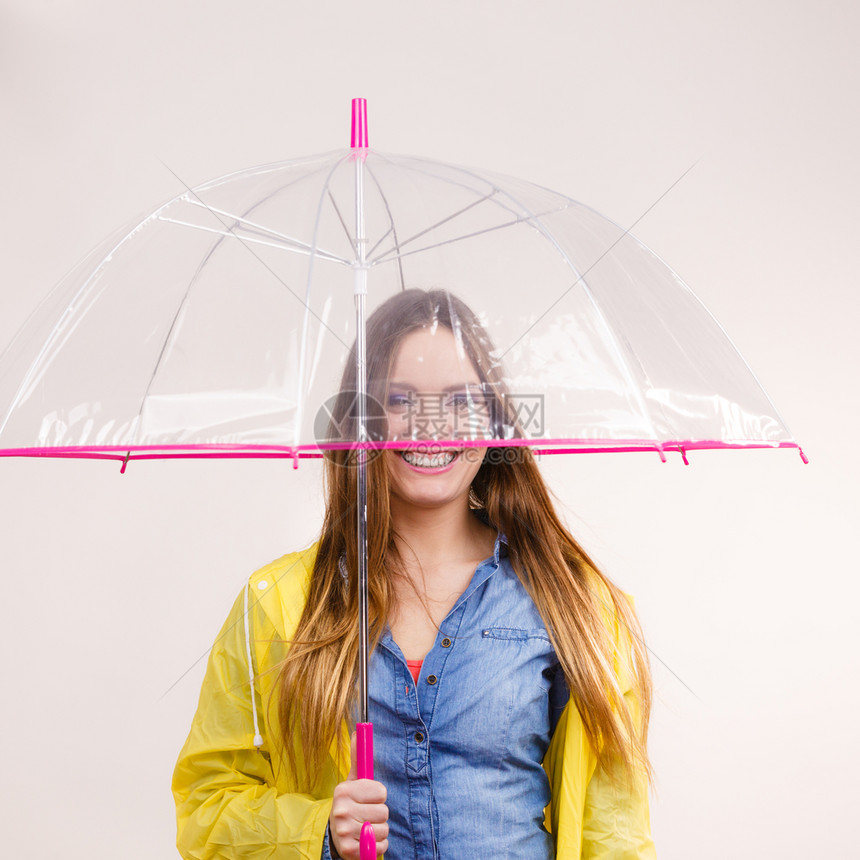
x,y
359,124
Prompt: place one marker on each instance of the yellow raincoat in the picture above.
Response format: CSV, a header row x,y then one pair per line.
x,y
234,800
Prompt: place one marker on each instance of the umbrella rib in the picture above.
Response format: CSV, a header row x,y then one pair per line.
x,y
262,262
392,229
426,230
526,220
200,268
262,228
624,363
581,277
307,302
384,236
417,168
58,327
181,305
241,220
340,218
299,248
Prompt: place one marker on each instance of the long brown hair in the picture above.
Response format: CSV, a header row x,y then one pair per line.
x,y
591,624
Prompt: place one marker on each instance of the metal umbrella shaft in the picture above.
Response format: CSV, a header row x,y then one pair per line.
x,y
364,729
361,517
361,417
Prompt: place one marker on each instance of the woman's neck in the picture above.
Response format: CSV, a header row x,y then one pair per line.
x,y
438,550
439,536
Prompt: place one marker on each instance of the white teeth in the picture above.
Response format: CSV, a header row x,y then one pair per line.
x,y
428,461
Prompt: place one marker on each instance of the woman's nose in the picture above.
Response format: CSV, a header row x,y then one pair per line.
x,y
431,418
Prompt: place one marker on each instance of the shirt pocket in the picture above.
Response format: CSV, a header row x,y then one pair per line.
x,y
515,633
523,654
501,712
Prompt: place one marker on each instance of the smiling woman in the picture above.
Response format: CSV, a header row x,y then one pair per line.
x,y
429,359
509,686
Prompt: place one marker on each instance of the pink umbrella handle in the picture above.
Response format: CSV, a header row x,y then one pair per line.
x,y
364,770
367,842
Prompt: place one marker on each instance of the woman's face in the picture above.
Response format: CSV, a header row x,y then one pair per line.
x,y
434,396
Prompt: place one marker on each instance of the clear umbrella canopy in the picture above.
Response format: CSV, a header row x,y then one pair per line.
x,y
356,297
222,323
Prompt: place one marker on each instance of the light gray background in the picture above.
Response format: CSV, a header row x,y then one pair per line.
x,y
744,564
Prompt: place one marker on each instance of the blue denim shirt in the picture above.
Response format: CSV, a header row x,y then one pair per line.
x,y
460,753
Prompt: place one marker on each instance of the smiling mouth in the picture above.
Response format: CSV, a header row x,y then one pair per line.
x,y
436,460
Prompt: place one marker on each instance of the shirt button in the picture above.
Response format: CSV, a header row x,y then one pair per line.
x,y
432,679
446,642
418,737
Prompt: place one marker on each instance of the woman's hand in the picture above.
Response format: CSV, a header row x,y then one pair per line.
x,y
357,801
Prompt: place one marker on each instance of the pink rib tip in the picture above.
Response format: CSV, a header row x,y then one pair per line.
x,y
359,124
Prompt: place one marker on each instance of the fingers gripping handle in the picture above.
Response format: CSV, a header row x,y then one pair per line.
x,y
364,770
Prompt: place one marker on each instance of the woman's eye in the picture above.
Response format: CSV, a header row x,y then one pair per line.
x,y
400,402
461,401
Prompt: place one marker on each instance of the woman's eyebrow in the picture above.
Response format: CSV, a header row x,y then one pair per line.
x,y
457,386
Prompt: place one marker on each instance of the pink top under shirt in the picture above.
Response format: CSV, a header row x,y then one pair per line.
x,y
414,668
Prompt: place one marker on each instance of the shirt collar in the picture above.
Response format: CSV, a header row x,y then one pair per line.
x,y
501,548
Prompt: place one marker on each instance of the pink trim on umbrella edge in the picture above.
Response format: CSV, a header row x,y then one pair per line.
x,y
125,453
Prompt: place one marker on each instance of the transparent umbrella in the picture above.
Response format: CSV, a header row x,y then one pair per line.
x,y
222,324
